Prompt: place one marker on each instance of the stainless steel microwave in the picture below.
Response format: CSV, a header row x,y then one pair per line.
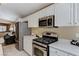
x,y
48,21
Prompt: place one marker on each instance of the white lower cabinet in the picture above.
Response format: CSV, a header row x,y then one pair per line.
x,y
52,52
27,44
56,52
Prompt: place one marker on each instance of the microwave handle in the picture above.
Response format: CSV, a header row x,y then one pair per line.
x,y
54,22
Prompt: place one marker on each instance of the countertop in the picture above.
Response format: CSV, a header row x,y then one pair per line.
x,y
64,45
1,50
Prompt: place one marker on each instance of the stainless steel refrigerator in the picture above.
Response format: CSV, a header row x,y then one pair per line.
x,y
21,30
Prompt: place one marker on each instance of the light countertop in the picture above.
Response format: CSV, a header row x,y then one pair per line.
x,y
64,45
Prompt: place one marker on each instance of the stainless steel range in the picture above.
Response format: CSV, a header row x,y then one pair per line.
x,y
41,45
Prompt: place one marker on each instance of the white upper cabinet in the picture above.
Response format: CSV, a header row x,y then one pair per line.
x,y
76,14
47,11
64,14
67,14
33,20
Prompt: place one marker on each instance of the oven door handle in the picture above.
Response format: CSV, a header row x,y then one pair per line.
x,y
39,45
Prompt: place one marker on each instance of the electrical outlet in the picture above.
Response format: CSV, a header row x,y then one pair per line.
x,y
77,35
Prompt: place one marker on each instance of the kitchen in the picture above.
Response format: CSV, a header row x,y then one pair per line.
x,y
66,27
51,31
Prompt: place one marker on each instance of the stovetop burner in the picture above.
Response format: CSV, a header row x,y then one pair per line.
x,y
45,40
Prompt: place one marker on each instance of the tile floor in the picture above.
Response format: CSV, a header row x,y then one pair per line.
x,y
10,50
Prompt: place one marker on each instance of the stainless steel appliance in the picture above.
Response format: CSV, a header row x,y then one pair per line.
x,y
41,45
48,21
21,30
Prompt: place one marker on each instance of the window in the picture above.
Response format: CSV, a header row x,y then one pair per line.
x,y
2,28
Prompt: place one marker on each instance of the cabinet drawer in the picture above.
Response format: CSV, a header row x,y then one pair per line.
x,y
56,52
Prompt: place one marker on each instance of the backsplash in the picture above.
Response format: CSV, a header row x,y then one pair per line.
x,y
63,32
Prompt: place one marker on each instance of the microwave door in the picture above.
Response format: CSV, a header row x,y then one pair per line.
x,y
43,23
50,22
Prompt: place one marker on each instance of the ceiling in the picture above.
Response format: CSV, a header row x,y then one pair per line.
x,y
6,21
23,9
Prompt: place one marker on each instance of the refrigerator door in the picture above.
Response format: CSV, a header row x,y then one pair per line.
x,y
25,29
21,30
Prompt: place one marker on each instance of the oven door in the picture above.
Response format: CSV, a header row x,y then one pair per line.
x,y
39,50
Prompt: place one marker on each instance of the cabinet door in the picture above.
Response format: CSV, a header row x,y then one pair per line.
x,y
56,52
52,52
27,44
64,14
32,20
46,11
76,14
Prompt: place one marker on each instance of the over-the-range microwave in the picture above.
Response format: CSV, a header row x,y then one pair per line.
x,y
48,21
